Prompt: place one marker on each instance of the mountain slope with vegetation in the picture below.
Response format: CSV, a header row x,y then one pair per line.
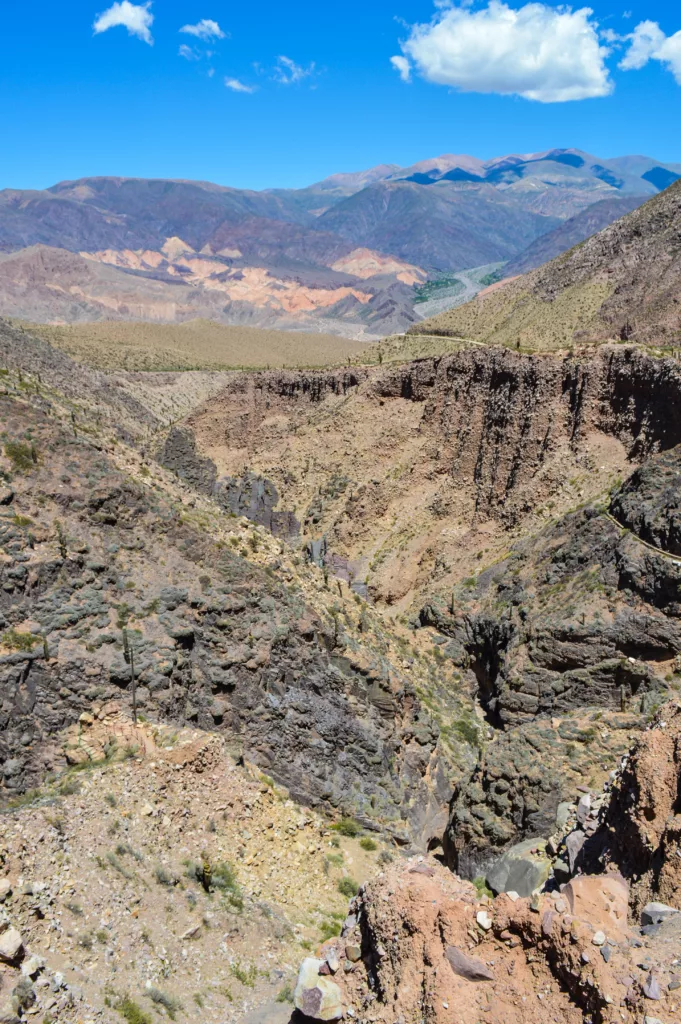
x,y
621,284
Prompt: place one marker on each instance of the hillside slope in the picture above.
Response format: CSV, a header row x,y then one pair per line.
x,y
571,232
621,284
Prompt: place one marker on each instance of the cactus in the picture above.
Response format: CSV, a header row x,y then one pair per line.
x,y
126,645
61,538
206,872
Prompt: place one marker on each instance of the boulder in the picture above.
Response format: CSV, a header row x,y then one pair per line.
x,y
656,913
523,868
468,967
316,996
8,1015
574,843
601,901
11,945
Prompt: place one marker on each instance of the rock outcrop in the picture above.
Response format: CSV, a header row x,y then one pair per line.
x,y
583,616
640,833
421,946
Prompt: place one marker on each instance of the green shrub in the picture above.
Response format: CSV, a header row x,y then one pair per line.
x,y
163,876
481,887
467,731
385,857
347,827
246,975
131,1012
17,641
225,880
348,887
368,844
22,455
329,930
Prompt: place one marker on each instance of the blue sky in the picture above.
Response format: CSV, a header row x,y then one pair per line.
x,y
75,102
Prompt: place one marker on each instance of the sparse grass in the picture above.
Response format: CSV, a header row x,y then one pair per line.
x,y
225,880
171,1005
113,861
131,1012
18,641
125,849
329,930
246,975
285,995
348,887
195,345
69,787
22,454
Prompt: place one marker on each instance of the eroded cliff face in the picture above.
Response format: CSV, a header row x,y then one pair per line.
x,y
407,470
109,567
444,482
569,643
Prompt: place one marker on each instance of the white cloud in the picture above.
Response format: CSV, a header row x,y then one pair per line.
x,y
288,72
236,86
403,66
187,52
137,18
648,42
611,36
548,54
204,29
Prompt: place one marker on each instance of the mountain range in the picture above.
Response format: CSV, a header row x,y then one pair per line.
x,y
342,255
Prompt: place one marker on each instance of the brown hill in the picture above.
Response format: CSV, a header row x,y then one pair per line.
x,y
621,284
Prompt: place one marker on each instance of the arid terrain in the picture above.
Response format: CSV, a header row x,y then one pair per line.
x,y
194,345
342,682
343,256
